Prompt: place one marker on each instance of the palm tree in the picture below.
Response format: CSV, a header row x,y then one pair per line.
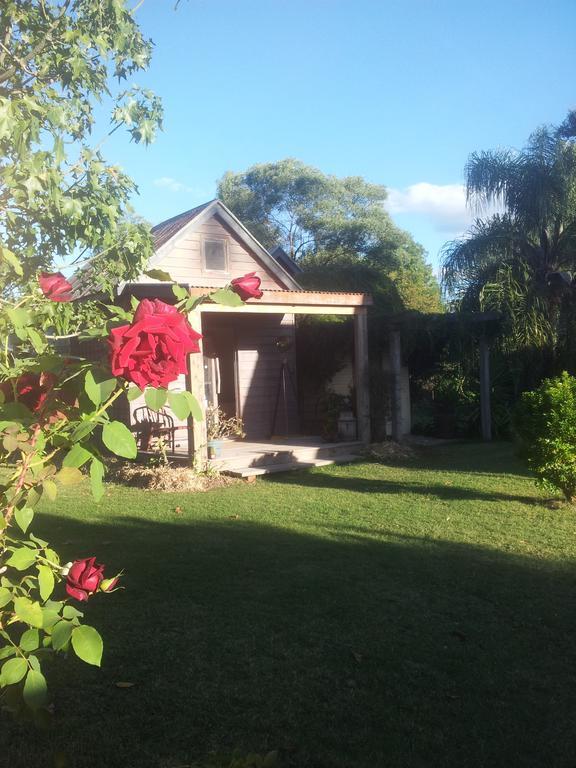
x,y
520,259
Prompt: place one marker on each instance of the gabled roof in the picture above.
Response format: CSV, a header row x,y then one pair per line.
x,y
167,230
280,255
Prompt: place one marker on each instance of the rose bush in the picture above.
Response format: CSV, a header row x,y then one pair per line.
x,y
55,422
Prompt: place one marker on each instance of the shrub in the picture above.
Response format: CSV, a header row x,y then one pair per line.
x,y
545,423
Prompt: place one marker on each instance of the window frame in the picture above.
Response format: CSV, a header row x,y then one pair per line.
x,y
205,267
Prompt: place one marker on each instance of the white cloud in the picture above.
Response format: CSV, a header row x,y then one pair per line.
x,y
167,182
443,204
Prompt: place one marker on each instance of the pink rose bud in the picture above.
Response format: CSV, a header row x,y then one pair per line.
x,y
84,578
55,286
247,287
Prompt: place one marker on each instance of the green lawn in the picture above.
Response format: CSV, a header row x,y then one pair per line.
x,y
364,616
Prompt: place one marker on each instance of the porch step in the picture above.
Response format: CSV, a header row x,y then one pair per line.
x,y
288,467
264,455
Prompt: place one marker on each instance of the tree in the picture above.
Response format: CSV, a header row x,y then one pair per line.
x,y
520,260
59,198
337,229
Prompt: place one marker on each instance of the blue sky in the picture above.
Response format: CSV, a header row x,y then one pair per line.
x,y
399,92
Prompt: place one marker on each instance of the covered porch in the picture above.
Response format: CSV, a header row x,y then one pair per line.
x,y
248,356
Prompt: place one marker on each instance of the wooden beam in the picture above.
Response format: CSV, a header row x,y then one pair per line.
x,y
281,309
362,374
485,411
197,438
396,380
300,298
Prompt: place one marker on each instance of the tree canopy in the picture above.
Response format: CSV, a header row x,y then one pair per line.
x,y
337,229
520,260
60,199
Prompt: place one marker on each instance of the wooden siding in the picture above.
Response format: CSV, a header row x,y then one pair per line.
x,y
259,365
250,340
183,258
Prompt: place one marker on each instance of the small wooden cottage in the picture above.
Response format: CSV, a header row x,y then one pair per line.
x,y
247,365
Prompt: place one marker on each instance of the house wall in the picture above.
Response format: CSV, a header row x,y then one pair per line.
x,y
259,366
182,258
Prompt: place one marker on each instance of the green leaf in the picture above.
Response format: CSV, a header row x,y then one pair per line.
x,y
118,439
9,257
98,391
30,640
155,398
27,611
49,617
13,671
50,489
24,517
61,634
96,478
134,393
69,476
36,340
87,644
195,409
76,456
5,596
19,317
227,297
83,430
179,292
35,689
70,612
45,581
159,274
33,497
22,558
179,404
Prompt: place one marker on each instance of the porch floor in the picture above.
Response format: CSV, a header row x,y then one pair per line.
x,y
247,458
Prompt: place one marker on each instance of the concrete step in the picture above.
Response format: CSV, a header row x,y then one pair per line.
x,y
288,467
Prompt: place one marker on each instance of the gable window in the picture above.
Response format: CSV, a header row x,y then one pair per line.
x,y
215,256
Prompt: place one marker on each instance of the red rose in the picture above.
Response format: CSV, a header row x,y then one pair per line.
x,y
31,389
247,287
84,578
153,350
55,286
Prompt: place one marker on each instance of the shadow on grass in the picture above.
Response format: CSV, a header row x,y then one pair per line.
x,y
342,652
362,485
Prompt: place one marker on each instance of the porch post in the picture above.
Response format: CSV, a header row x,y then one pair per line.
x,y
485,412
362,374
396,393
197,440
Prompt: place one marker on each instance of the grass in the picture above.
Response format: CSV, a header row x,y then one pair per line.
x,y
362,616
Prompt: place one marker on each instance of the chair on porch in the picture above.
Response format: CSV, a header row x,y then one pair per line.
x,y
149,424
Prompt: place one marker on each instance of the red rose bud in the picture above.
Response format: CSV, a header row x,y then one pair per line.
x,y
153,350
55,286
31,389
247,287
84,578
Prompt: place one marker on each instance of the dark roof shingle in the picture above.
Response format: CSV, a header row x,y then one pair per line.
x,y
163,231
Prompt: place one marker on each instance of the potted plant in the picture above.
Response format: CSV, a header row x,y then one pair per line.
x,y
219,428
